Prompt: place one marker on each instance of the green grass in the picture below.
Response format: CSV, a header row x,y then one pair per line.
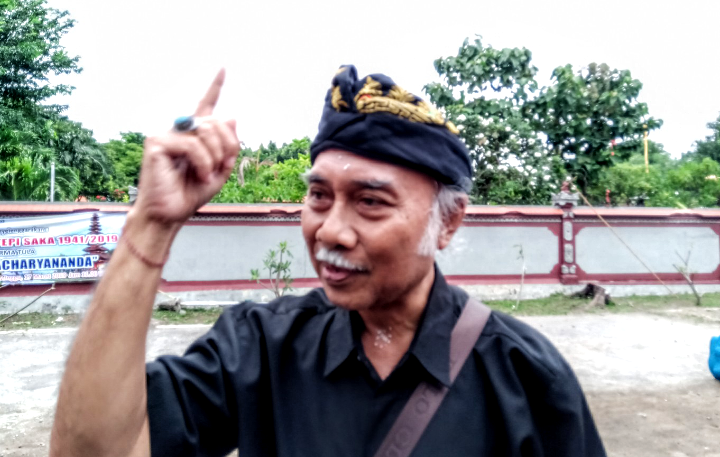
x,y
46,320
39,320
563,304
191,316
553,305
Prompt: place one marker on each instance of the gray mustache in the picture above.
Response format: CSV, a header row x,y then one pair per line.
x,y
336,259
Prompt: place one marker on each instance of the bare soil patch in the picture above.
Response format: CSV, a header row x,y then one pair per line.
x,y
645,376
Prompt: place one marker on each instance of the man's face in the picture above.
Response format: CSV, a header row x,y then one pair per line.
x,y
374,215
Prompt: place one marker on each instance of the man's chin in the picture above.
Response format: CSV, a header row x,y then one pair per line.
x,y
352,300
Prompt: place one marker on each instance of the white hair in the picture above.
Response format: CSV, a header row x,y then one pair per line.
x,y
448,202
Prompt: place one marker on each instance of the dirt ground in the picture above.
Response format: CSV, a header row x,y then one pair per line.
x,y
645,377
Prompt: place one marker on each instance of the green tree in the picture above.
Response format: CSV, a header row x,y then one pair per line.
x,y
630,185
582,112
74,146
268,153
628,181
268,183
273,153
27,177
50,137
133,138
710,146
126,157
669,183
34,134
634,151
487,94
294,149
30,51
693,184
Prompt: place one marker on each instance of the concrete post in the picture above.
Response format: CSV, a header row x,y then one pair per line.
x,y
132,193
566,201
52,181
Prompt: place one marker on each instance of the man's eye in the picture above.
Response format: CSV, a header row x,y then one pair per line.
x,y
316,195
371,202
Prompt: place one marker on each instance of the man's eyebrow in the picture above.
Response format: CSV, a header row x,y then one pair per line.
x,y
312,178
357,184
375,184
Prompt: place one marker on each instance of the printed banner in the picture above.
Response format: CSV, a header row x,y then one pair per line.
x,y
67,248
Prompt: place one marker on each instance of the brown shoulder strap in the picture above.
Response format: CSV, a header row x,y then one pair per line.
x,y
425,400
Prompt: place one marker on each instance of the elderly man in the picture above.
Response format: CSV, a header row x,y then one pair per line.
x,y
329,373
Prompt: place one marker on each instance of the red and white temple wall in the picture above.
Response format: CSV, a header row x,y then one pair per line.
x,y
562,248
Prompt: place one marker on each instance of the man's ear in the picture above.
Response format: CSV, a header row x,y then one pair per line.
x,y
452,223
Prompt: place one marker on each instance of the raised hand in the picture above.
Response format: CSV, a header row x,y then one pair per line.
x,y
183,171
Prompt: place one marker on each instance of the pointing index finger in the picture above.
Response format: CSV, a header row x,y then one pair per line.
x,y
208,102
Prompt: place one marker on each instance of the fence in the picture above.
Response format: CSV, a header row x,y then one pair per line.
x,y
567,245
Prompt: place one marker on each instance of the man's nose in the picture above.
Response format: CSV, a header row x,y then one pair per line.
x,y
337,230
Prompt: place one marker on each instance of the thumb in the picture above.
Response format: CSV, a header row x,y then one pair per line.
x,y
232,124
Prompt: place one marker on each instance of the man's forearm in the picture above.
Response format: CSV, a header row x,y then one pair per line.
x,y
102,400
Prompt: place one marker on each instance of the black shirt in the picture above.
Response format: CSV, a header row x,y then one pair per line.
x,y
290,378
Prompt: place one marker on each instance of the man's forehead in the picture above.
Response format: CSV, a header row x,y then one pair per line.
x,y
334,156
339,165
370,183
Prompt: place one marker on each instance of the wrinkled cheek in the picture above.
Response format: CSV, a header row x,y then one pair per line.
x,y
409,264
407,248
397,259
308,232
309,224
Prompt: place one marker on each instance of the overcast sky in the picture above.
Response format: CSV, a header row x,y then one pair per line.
x,y
147,62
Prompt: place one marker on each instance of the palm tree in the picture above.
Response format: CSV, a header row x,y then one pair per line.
x,y
27,177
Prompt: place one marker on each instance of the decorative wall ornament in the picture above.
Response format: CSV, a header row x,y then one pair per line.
x,y
568,253
566,199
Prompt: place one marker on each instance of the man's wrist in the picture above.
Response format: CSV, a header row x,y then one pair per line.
x,y
148,239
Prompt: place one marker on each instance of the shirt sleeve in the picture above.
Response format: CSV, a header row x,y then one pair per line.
x,y
564,422
191,398
543,405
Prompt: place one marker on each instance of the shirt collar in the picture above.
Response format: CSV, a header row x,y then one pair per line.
x,y
339,341
431,345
